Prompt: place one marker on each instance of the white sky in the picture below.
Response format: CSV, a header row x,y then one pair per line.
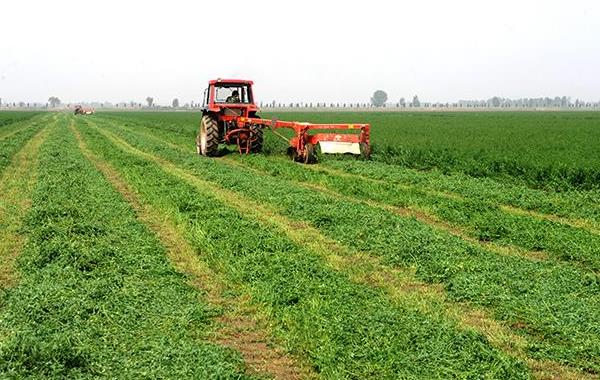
x,y
307,50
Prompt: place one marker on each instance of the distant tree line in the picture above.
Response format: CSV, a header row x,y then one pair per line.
x,y
498,102
378,99
492,103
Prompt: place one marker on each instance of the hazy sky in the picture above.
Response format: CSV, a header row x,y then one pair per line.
x,y
305,50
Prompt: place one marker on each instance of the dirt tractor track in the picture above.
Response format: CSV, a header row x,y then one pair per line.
x,y
125,254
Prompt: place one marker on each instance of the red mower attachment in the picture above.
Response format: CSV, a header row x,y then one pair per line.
x,y
229,116
303,145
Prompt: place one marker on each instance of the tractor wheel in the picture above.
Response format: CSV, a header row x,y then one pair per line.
x,y
365,151
310,156
257,145
207,142
291,152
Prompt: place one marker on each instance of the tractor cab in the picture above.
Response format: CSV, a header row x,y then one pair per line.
x,y
225,102
229,98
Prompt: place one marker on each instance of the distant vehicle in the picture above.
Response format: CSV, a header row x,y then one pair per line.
x,y
79,110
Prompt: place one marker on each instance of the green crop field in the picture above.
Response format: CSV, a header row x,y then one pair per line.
x,y
467,247
548,150
11,117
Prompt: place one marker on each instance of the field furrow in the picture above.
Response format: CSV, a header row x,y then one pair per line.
x,y
470,274
346,328
97,296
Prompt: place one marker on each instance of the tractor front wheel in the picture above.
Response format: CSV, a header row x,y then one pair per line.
x,y
207,142
365,151
310,155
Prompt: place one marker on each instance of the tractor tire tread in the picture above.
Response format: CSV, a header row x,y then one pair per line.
x,y
257,145
212,135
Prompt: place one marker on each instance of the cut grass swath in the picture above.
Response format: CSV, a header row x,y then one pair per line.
x,y
16,185
480,219
18,137
574,207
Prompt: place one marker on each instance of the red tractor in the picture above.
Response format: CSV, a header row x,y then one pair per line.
x,y
79,110
229,116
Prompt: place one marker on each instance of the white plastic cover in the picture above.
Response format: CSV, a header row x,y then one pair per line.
x,y
332,147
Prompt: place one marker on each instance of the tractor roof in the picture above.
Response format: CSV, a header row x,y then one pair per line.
x,y
231,81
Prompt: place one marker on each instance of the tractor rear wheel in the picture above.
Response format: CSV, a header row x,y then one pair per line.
x,y
291,152
257,145
207,142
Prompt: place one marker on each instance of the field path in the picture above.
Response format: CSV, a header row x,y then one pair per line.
x,y
16,185
401,286
238,328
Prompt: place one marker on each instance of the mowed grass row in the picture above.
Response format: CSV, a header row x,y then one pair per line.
x,y
96,296
519,292
575,205
18,138
483,219
345,329
581,207
11,117
16,185
548,150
